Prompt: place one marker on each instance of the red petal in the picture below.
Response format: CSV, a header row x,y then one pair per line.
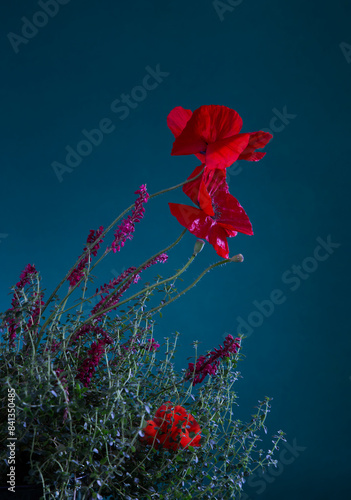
x,y
214,122
188,143
233,217
257,140
201,157
150,428
191,189
195,427
177,119
207,125
255,156
218,239
162,414
150,432
225,152
205,200
185,440
196,441
166,406
165,443
194,219
198,192
181,410
213,180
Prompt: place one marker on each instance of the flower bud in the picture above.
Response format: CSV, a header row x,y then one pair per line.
x,y
237,258
198,246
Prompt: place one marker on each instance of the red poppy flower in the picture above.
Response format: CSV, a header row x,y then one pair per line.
x,y
212,134
171,428
219,215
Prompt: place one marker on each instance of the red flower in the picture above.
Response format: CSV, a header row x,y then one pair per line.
x,y
219,215
212,134
171,428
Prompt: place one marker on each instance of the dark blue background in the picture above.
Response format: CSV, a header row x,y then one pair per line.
x,y
259,58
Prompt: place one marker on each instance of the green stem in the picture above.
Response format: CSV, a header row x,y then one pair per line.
x,y
141,292
134,273
219,263
91,245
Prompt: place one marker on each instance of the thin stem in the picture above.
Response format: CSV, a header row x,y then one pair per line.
x,y
137,294
219,263
102,235
63,304
71,290
134,273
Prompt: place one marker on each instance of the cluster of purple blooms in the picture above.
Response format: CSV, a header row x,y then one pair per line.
x,y
111,300
151,345
208,365
94,354
78,273
25,276
122,233
91,362
25,279
110,297
133,344
127,228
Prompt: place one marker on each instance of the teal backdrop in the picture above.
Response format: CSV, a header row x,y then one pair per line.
x,y
72,67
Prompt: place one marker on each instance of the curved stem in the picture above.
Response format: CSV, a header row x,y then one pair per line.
x,y
63,304
219,263
141,292
134,273
91,245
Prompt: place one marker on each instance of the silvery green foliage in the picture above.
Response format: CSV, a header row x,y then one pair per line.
x,y
84,442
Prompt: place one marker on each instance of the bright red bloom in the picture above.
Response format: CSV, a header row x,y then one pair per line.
x,y
212,134
219,215
171,428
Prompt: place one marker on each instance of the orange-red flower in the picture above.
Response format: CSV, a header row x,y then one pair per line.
x,y
211,132
172,428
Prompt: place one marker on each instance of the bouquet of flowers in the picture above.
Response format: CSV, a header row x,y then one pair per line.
x,y
93,409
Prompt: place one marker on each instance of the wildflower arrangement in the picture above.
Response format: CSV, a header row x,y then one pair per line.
x,y
99,413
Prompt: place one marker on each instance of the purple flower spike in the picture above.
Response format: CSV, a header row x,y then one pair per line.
x,y
78,273
89,365
127,228
25,278
208,365
113,299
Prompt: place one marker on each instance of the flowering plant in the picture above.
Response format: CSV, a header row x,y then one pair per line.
x,y
98,412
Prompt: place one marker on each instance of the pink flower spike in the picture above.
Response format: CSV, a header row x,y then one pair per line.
x,y
25,279
113,299
208,365
89,365
127,227
152,345
78,273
